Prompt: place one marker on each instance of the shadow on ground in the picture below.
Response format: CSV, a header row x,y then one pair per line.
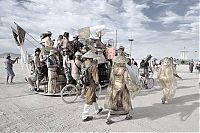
x,y
159,110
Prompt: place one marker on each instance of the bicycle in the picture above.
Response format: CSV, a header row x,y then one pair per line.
x,y
71,92
146,83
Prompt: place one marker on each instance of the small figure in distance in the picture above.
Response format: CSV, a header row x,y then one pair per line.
x,y
9,68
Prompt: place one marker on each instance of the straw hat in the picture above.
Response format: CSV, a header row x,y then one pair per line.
x,y
78,53
120,59
89,54
52,52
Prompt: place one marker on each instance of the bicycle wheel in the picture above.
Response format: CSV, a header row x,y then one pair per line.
x,y
150,83
98,90
69,93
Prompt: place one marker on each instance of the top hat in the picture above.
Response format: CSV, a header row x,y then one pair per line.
x,y
66,34
49,33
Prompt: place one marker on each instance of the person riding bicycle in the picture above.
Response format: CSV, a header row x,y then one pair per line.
x,y
144,67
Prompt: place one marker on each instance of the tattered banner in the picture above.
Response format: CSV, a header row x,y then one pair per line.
x,y
15,35
21,34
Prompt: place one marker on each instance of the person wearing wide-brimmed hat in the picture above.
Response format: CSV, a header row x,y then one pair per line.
x,y
9,68
120,88
90,88
46,39
146,65
52,71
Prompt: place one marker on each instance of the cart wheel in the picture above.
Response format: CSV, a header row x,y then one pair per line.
x,y
69,93
150,83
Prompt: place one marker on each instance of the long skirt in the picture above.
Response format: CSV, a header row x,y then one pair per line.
x,y
118,100
169,88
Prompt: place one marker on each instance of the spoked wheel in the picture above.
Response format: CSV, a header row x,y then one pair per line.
x,y
69,93
150,83
98,90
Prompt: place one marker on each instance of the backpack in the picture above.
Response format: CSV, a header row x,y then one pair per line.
x,y
85,76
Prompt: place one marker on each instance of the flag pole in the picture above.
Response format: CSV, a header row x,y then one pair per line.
x,y
116,39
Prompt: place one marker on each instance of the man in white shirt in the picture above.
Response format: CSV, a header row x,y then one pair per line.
x,y
75,65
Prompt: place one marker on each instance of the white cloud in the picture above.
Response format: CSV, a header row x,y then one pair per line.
x,y
187,32
163,3
194,10
170,18
127,17
141,7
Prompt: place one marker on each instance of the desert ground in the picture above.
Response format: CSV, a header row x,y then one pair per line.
x,y
21,110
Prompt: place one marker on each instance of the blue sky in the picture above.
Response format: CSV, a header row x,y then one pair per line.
x,y
159,27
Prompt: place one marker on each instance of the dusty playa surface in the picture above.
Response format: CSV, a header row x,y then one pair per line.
x,y
24,111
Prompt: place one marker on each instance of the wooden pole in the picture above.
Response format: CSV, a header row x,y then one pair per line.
x,y
116,40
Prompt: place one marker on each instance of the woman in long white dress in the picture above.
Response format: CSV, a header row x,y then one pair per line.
x,y
167,79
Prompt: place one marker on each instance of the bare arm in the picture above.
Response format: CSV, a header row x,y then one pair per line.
x,y
13,61
176,75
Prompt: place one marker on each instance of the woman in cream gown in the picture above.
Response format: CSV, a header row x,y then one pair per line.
x,y
167,79
120,89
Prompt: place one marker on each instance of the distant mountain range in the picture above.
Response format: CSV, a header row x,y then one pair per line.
x,y
13,55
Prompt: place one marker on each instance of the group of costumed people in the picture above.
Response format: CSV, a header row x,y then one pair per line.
x,y
121,89
61,62
122,86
